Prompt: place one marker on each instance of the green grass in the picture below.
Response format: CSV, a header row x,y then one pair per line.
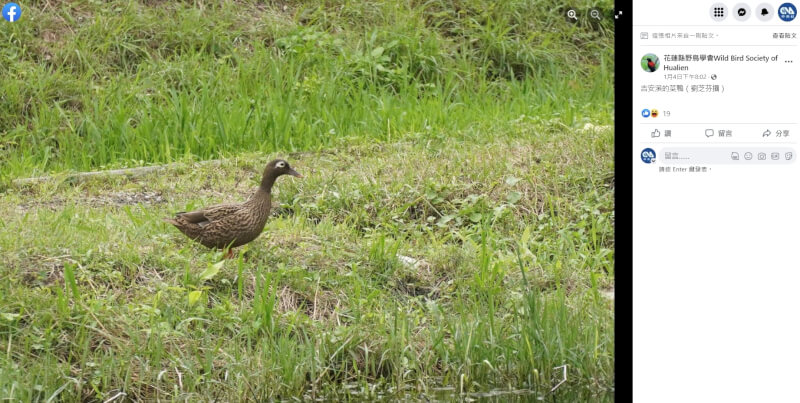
x,y
470,136
515,236
90,84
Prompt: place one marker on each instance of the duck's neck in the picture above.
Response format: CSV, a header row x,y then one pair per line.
x,y
267,180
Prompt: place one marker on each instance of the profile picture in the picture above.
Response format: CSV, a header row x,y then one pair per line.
x,y
650,62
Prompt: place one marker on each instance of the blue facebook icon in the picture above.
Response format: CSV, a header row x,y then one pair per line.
x,y
11,12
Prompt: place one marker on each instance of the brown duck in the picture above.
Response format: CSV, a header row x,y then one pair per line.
x,y
231,225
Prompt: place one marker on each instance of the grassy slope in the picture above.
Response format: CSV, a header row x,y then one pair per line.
x,y
98,289
95,84
481,172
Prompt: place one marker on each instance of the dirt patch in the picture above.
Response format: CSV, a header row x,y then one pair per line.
x,y
416,277
43,270
127,198
320,306
56,30
607,294
115,199
279,211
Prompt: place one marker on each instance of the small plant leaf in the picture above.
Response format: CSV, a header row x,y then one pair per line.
x,y
475,217
69,278
10,316
194,296
511,180
513,197
377,51
526,235
211,271
445,219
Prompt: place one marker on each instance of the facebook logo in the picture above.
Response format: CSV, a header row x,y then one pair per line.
x,y
11,12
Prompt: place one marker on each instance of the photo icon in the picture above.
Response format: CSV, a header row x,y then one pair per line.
x,y
650,63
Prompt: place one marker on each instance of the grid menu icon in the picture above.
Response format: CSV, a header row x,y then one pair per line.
x,y
718,11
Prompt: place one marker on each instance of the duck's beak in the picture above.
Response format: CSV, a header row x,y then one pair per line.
x,y
295,173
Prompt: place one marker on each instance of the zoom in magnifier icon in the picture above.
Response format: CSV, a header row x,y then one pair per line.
x,y
572,16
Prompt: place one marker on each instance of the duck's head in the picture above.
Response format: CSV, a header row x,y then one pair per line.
x,y
276,168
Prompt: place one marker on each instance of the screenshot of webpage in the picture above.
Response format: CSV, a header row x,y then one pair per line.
x,y
309,200
716,201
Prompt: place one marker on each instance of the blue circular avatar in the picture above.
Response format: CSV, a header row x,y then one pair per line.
x,y
11,12
648,155
787,12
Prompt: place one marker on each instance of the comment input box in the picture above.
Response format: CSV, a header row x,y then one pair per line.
x,y
728,155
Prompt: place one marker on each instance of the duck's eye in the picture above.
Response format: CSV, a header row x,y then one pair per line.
x,y
280,164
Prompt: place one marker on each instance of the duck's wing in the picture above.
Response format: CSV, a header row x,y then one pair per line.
x,y
208,215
